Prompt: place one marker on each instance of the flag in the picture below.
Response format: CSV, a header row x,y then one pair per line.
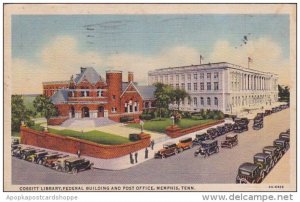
x,y
250,59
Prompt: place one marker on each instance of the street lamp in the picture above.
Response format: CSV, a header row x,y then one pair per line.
x,y
173,120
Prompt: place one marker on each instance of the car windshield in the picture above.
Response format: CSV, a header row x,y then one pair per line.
x,y
243,172
259,160
279,143
267,152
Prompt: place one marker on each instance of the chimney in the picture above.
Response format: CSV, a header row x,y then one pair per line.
x,y
82,69
130,77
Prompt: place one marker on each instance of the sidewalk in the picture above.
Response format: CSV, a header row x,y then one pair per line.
x,y
124,161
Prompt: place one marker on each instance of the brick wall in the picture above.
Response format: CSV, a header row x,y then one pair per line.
x,y
175,131
72,145
57,120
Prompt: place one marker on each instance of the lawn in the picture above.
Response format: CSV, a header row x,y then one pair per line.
x,y
93,136
161,125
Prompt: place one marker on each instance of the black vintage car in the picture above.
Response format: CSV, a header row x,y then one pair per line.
x,y
74,165
230,141
282,144
28,153
35,156
228,127
200,138
240,125
221,130
15,141
264,162
267,112
18,152
207,148
273,152
258,123
285,135
249,173
213,133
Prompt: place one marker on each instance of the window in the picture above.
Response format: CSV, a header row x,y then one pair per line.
x,y
216,85
114,97
202,101
201,75
189,86
208,75
182,85
216,75
208,86
113,109
87,93
189,101
208,101
201,86
166,78
171,78
136,106
216,101
182,77
177,85
189,77
195,76
82,93
195,101
102,93
177,77
195,86
161,79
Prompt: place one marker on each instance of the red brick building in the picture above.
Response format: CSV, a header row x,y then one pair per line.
x,y
88,95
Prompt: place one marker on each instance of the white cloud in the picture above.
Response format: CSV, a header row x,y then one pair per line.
x,y
61,58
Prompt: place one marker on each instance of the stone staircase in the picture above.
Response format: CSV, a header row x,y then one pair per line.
x,y
87,122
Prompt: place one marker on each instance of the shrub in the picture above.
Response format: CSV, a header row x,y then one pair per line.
x,y
145,116
187,115
126,119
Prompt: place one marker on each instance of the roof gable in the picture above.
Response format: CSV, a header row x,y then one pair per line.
x,y
88,74
59,96
131,87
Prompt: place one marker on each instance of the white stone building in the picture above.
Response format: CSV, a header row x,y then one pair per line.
x,y
220,86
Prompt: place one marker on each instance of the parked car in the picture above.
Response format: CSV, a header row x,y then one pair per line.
x,y
264,162
282,144
185,143
26,154
200,138
245,120
15,141
249,173
213,133
285,135
41,159
228,127
258,123
50,160
267,112
60,163
75,164
20,151
273,152
207,148
168,150
35,156
240,125
288,131
230,141
221,130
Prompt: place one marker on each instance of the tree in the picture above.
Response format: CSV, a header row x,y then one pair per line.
x,y
284,93
178,95
162,96
44,105
19,113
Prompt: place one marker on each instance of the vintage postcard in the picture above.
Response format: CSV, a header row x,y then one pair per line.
x,y
150,97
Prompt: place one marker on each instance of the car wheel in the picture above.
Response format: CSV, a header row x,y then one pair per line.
x,y
217,149
244,181
23,157
262,175
74,170
180,150
32,160
40,162
163,156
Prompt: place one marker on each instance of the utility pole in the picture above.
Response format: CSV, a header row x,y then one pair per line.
x,y
201,58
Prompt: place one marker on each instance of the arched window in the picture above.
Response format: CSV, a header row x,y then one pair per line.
x,y
216,101
208,101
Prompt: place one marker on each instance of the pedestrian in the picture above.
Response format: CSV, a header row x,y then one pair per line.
x,y
78,153
136,156
146,153
131,158
152,144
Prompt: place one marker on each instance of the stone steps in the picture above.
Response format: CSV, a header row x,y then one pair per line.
x,y
87,122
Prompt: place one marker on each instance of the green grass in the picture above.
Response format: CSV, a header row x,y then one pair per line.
x,y
161,125
93,136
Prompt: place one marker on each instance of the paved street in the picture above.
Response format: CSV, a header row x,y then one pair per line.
x,y
182,168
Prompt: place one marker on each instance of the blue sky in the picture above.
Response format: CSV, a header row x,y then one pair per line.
x,y
146,34
53,47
